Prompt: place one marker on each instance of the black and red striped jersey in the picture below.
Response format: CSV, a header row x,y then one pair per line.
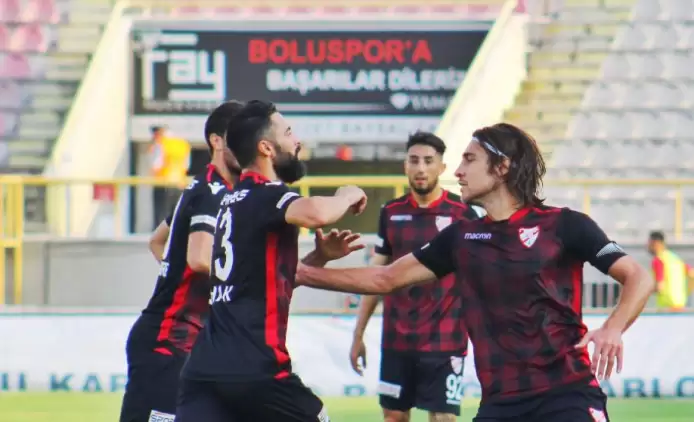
x,y
426,317
179,303
521,282
255,256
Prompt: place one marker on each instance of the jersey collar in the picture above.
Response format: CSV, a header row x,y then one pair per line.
x,y
211,171
254,176
515,217
436,203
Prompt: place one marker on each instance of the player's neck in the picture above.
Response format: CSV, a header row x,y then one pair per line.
x,y
427,199
500,205
264,170
222,169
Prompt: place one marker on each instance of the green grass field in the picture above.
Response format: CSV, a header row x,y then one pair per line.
x,y
78,407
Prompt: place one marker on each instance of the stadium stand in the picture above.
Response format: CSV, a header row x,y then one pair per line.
x,y
636,122
568,45
44,51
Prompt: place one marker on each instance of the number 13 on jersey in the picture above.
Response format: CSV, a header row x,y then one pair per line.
x,y
222,266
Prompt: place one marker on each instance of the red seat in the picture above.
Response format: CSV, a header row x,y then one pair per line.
x,y
9,10
31,37
4,37
43,11
15,65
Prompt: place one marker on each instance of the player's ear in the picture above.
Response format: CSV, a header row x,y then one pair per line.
x,y
217,142
442,167
503,167
266,148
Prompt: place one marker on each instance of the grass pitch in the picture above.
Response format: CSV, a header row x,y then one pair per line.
x,y
104,407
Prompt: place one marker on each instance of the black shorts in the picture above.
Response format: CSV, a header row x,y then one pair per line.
x,y
277,400
577,403
430,382
152,388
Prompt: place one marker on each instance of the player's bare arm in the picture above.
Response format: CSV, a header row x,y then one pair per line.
x,y
319,211
158,240
378,280
357,354
637,287
199,254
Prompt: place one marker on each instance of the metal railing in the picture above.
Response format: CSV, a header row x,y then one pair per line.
x,y
14,196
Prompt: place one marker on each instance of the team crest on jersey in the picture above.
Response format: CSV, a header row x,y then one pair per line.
x,y
528,235
443,221
598,415
457,364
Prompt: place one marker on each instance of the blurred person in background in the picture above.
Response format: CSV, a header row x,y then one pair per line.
x,y
424,341
170,161
671,274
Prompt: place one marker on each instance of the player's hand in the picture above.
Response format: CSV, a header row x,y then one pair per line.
x,y
357,355
608,351
337,244
355,195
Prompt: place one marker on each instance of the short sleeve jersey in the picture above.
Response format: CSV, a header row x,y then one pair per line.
x,y
179,303
427,317
255,256
522,287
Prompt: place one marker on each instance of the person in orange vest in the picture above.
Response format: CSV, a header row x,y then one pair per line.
x,y
671,274
170,161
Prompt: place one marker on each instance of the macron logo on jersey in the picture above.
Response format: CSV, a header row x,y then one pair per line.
x,y
286,197
215,187
478,236
400,218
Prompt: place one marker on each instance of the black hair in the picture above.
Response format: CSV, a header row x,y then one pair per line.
x,y
527,167
155,129
657,236
426,138
247,128
218,120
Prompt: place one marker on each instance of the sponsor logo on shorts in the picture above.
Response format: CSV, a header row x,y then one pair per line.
x,y
457,364
323,415
157,416
598,415
388,389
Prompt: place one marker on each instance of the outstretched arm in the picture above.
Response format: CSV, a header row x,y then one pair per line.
x,y
434,260
369,280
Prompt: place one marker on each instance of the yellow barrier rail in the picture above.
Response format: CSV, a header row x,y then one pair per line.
x,y
13,197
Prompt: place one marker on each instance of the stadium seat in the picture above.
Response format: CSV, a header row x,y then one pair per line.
x,y
9,10
10,95
14,66
42,11
32,38
8,124
5,35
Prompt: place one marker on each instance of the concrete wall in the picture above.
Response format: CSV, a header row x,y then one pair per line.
x,y
122,273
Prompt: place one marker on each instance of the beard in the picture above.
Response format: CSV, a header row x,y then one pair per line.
x,y
424,190
288,167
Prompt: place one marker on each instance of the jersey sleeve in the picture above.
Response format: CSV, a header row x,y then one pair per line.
x,y
277,198
203,212
439,254
383,246
584,240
